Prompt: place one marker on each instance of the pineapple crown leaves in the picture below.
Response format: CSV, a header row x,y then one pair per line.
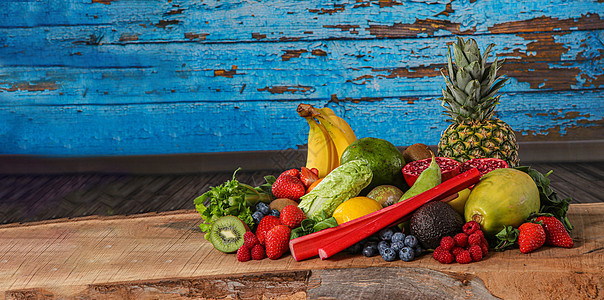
x,y
471,85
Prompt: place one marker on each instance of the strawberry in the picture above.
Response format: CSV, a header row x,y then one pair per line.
x,y
447,243
555,233
461,239
464,257
267,223
291,216
475,252
315,170
277,241
470,227
288,186
250,239
531,237
292,172
258,252
307,176
243,254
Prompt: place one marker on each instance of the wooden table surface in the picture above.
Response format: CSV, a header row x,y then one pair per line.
x,y
164,255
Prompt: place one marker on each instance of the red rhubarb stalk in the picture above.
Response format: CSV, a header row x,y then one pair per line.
x,y
330,241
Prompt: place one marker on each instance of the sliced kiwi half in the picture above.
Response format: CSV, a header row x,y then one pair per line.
x,y
226,234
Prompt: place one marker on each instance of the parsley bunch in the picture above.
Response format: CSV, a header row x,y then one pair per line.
x,y
231,198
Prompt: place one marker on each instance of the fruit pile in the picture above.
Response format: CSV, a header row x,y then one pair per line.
x,y
455,204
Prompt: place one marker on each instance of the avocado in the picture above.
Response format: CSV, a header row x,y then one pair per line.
x,y
384,159
433,221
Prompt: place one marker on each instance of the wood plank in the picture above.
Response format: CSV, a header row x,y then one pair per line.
x,y
68,258
127,63
185,21
348,69
275,124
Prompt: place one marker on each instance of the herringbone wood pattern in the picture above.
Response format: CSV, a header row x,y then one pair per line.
x,y
27,198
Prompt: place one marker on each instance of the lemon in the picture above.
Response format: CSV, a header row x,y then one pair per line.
x,y
355,208
460,202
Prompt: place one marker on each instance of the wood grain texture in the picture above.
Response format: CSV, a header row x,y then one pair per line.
x,y
71,258
131,77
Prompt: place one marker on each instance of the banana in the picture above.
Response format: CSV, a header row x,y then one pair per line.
x,y
350,136
322,153
341,137
339,131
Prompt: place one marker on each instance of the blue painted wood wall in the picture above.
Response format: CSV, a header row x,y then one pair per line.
x,y
130,77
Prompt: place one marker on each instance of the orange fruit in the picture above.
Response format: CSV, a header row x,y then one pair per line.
x,y
313,185
355,208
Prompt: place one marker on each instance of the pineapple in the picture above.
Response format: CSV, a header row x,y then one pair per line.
x,y
470,99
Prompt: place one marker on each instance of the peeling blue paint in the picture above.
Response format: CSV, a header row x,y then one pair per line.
x,y
133,77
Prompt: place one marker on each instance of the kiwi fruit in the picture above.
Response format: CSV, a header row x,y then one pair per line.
x,y
226,234
417,151
280,203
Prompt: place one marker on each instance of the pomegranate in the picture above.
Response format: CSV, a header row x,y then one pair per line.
x,y
484,165
449,168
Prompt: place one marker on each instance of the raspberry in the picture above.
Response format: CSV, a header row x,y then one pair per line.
x,y
461,239
475,252
250,239
474,239
243,254
437,252
447,243
258,252
480,233
470,227
443,256
456,250
485,249
464,257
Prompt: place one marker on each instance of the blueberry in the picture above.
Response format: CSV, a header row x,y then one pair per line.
x,y
263,208
407,254
418,250
370,249
355,249
398,237
383,245
274,212
396,246
386,234
388,254
257,216
411,241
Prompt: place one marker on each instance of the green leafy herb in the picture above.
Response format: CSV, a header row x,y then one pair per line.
x,y
309,226
551,203
507,238
326,223
230,198
306,227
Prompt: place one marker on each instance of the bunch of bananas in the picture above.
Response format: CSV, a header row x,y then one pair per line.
x,y
328,137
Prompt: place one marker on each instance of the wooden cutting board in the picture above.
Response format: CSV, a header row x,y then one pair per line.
x,y
165,256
